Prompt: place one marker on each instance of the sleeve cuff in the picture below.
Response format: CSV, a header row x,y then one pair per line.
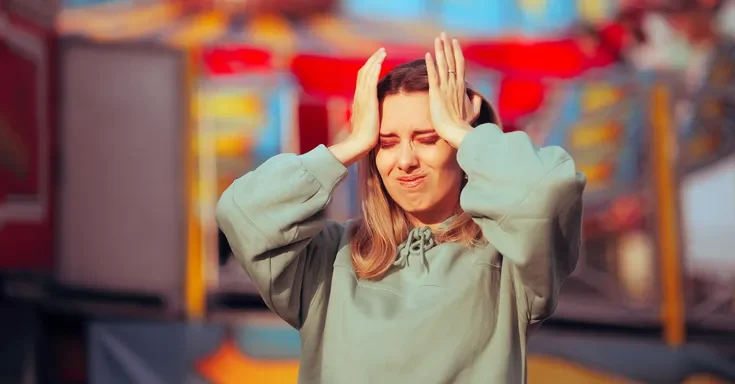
x,y
326,169
477,141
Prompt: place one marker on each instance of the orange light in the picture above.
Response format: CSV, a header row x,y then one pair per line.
x,y
230,366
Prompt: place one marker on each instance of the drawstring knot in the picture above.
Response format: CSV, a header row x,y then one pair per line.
x,y
419,241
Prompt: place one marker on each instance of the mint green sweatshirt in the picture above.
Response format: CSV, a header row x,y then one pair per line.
x,y
445,313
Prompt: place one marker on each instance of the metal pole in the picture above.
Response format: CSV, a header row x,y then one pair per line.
x,y
662,149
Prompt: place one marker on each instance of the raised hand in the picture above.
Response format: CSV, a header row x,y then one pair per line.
x,y
451,109
365,121
365,118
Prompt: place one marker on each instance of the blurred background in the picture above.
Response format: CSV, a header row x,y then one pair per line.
x,y
122,121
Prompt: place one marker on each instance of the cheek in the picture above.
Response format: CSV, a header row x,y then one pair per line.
x,y
441,158
384,162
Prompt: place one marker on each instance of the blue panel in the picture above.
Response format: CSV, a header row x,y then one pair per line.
x,y
551,18
168,352
631,115
269,342
397,10
269,143
85,3
480,17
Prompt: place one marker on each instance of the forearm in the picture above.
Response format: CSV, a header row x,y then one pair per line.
x,y
273,216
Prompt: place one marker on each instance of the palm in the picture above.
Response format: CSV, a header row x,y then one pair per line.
x,y
365,115
449,103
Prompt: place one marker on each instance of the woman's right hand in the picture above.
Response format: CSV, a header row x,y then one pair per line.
x,y
365,121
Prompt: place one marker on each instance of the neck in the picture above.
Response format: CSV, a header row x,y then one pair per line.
x,y
433,218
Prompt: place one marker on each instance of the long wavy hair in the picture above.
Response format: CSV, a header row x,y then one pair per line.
x,y
384,225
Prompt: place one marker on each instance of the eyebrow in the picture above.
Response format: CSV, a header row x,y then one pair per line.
x,y
418,132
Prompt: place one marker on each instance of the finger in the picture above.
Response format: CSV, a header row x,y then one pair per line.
x,y
374,70
431,71
459,60
371,80
370,63
441,61
449,53
367,67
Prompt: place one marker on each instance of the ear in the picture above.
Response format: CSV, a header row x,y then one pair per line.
x,y
476,106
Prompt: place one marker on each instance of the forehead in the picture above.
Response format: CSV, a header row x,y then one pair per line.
x,y
405,113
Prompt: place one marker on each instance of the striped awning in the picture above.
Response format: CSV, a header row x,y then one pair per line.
x,y
175,26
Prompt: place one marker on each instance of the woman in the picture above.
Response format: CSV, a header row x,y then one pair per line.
x,y
465,239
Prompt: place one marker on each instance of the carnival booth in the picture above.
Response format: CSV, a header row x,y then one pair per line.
x,y
199,100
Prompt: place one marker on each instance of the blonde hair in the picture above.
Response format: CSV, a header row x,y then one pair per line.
x,y
384,225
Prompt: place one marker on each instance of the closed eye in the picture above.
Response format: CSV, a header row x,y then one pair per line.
x,y
429,140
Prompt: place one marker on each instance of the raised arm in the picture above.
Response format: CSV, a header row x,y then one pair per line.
x,y
528,202
273,218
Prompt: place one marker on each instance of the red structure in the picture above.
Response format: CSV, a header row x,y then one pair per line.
x,y
27,134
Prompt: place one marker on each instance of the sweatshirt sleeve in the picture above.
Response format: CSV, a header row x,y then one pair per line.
x,y
528,202
273,218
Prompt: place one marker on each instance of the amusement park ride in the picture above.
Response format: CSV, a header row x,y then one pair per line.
x,y
121,124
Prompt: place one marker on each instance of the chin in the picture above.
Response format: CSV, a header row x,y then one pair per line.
x,y
415,205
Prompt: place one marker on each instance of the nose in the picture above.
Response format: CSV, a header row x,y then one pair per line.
x,y
407,160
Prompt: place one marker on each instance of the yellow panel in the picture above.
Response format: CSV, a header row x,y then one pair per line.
x,y
233,146
598,173
232,105
195,284
600,95
593,10
272,31
201,29
118,23
149,21
534,7
594,135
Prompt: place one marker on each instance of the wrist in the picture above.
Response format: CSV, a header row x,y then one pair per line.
x,y
458,135
349,151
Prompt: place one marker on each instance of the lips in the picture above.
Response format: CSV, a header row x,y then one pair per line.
x,y
411,181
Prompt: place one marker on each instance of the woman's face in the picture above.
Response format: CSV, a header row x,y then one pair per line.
x,y
419,170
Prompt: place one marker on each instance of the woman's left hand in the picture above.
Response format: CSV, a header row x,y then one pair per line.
x,y
450,106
